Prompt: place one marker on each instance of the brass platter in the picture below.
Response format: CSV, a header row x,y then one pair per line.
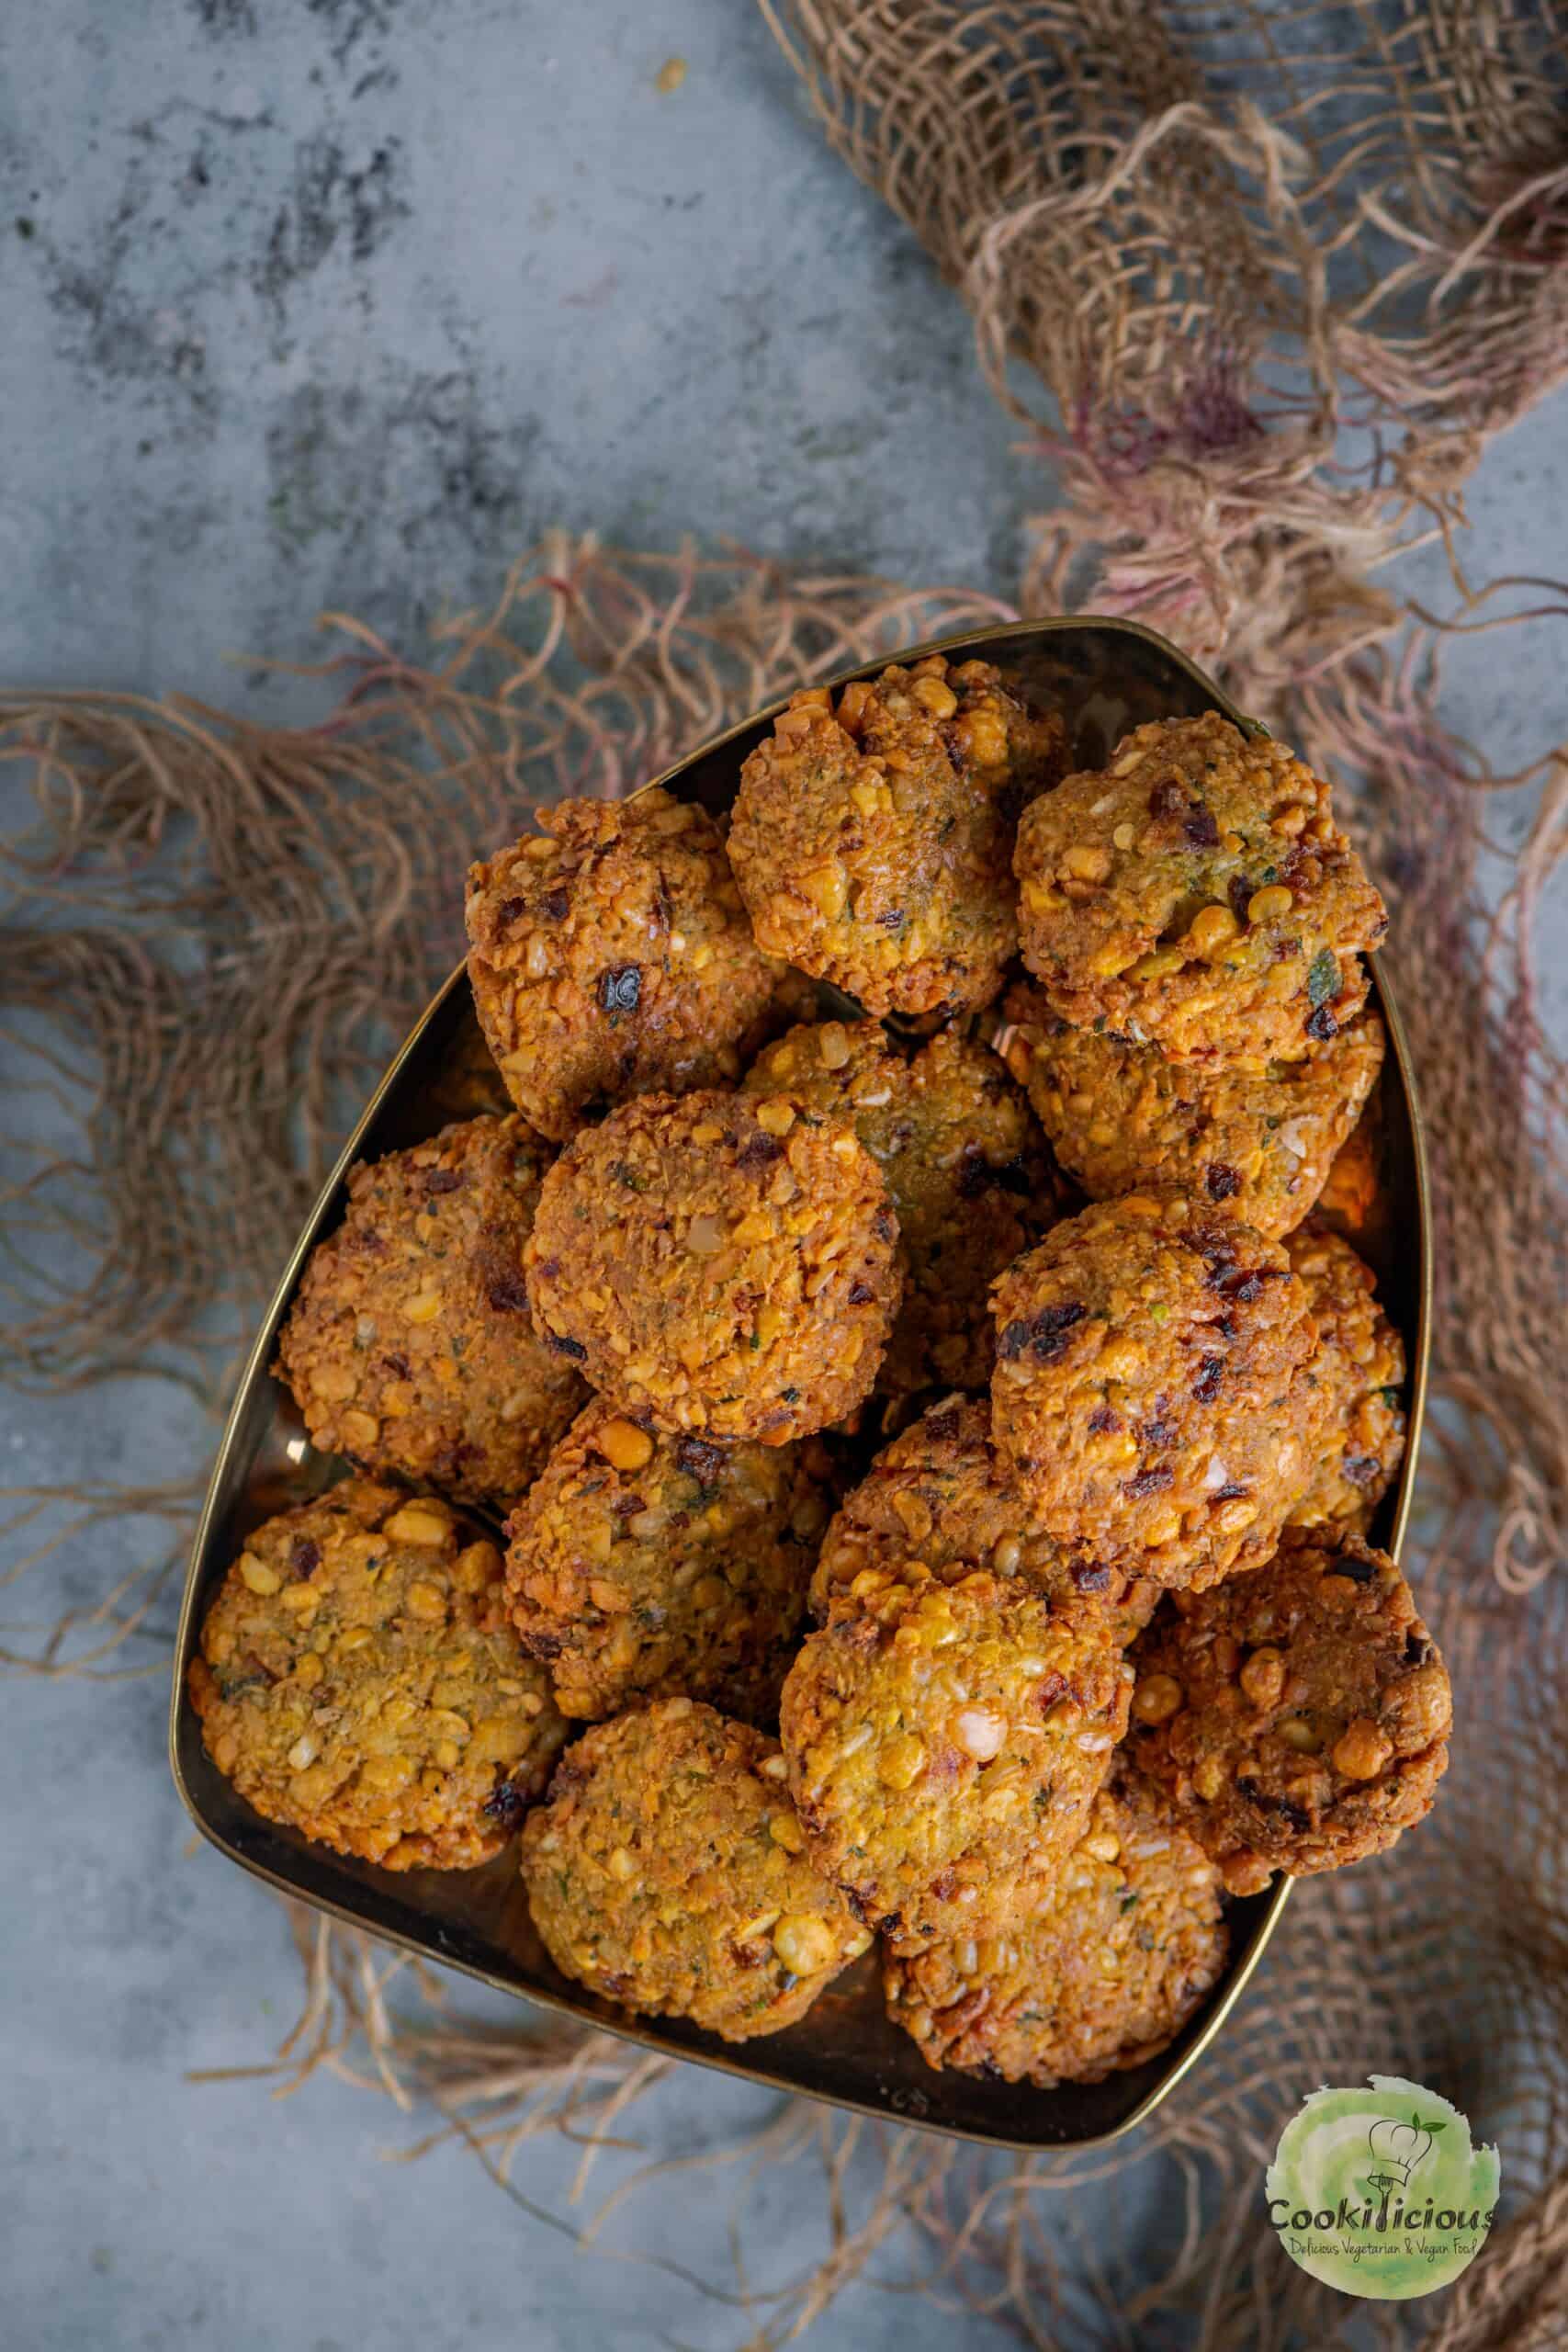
x,y
1105,675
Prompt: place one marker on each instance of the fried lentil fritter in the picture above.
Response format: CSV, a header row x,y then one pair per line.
x,y
358,1679
944,1743
645,1565
1296,1718
1151,1390
1359,1366
721,1277
940,1499
408,1347
963,1161
1119,1117
1197,895
668,1872
873,842
1123,1950
611,957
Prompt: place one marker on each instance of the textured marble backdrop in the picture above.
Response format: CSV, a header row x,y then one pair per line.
x,y
317,302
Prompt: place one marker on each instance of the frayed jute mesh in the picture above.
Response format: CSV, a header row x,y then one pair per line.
x,y
1222,239
1259,284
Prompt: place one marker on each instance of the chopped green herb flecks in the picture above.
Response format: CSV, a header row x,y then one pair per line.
x,y
1323,977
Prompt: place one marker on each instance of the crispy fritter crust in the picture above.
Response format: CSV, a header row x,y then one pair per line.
x,y
1257,1139
1151,1390
718,1276
872,843
1127,1945
964,1162
358,1679
611,957
944,1742
643,1566
1359,1366
408,1346
1197,895
668,1872
1297,1718
941,1499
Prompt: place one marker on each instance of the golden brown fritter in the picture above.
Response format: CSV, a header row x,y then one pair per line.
x,y
1296,1718
873,842
611,957
642,1565
1151,1390
941,1499
668,1872
358,1679
1259,1138
407,1346
848,1070
1197,895
944,1742
724,1272
969,1177
1360,1367
1123,1952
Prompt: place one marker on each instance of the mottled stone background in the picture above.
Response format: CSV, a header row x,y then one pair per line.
x,y
339,302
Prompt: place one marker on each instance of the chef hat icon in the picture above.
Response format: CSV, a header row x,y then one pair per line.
x,y
1398,2147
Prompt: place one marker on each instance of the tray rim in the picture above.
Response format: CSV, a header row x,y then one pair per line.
x,y
646,2033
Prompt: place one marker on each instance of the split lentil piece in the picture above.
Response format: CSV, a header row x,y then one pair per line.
x,y
719,1277
358,1679
1297,1718
611,957
667,1872
1255,1139
408,1346
1127,1944
641,1564
1197,896
942,1501
964,1164
1360,1367
944,1745
1152,1391
873,839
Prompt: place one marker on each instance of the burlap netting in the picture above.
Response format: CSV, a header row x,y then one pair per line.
x,y
1261,283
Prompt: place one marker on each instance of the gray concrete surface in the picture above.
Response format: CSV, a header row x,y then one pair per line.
x,y
340,301
344,300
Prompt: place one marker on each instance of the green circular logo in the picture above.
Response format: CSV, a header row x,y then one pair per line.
x,y
1379,2192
